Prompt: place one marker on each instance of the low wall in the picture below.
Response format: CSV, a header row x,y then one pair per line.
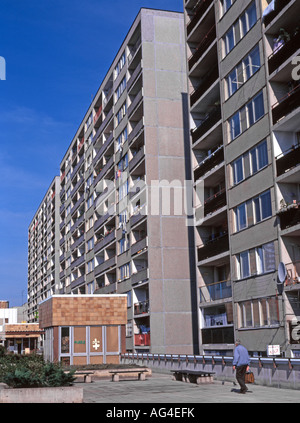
x,y
276,372
68,394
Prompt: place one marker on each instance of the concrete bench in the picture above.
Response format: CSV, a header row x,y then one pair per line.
x,y
116,374
194,376
86,375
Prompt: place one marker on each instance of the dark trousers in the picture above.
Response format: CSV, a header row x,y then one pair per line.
x,y
240,377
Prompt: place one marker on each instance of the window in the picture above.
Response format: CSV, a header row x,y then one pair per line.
x,y
225,5
240,28
121,88
121,139
253,211
246,116
243,71
90,266
120,65
235,126
125,271
259,157
238,170
248,19
91,287
262,206
90,202
241,217
90,244
121,113
255,109
258,313
123,245
256,261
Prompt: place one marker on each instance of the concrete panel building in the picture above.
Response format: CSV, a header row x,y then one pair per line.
x,y
115,236
239,137
43,250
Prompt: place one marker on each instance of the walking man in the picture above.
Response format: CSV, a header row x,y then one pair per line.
x,y
241,361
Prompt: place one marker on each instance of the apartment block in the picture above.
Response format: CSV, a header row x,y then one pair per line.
x,y
43,250
282,47
113,238
240,93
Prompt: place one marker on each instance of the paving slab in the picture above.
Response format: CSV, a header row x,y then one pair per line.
x,y
160,388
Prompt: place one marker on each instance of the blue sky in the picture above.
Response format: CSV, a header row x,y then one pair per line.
x,y
57,52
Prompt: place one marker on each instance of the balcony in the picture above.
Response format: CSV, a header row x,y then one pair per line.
x,y
209,121
286,105
218,335
78,281
139,246
213,247
104,170
207,40
142,340
283,53
107,264
204,86
136,130
105,241
288,160
135,160
215,202
209,163
274,9
215,291
293,274
198,13
289,216
77,262
140,276
142,307
138,215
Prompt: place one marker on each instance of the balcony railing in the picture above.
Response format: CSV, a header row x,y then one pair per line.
x,y
289,216
209,163
293,273
202,47
139,246
105,241
213,247
278,6
142,340
209,121
288,160
200,9
107,264
141,307
283,52
286,105
215,202
204,86
216,291
140,276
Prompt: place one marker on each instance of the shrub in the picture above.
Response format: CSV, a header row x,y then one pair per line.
x,y
32,371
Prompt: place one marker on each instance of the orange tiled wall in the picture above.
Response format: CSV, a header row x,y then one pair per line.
x,y
75,311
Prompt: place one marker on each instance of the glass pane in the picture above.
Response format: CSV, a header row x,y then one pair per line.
x,y
258,104
264,314
65,340
245,264
248,314
242,221
266,207
250,113
251,15
257,210
238,171
269,257
260,260
96,345
273,311
253,160
235,126
256,319
255,60
262,154
229,40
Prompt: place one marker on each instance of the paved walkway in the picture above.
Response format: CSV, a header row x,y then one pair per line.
x,y
160,388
